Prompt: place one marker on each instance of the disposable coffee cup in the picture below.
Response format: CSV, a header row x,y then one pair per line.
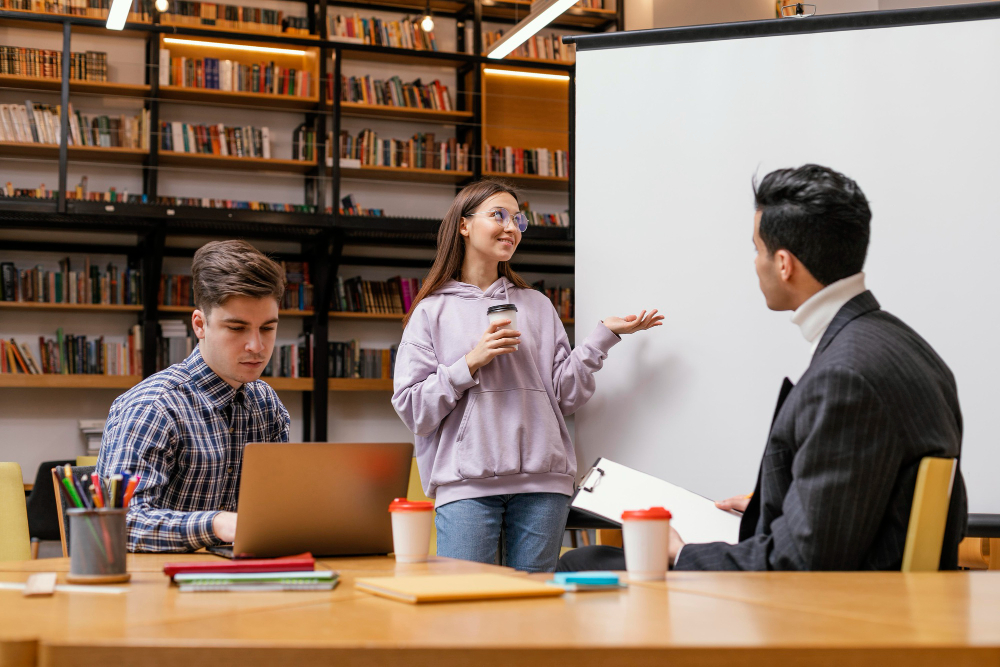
x,y
411,529
506,311
97,546
646,537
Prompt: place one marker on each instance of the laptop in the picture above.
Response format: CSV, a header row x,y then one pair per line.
x,y
330,499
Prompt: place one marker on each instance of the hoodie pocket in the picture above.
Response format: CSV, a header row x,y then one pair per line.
x,y
510,432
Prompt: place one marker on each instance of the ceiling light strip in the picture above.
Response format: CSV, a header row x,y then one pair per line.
x,y
527,75
544,14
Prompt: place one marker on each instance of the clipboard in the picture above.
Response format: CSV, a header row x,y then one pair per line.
x,y
609,488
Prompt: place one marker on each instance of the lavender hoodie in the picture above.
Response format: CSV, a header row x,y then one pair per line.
x,y
501,430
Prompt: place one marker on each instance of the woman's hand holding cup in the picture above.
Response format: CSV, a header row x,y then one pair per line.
x,y
495,341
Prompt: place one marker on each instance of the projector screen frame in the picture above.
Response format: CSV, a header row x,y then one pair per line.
x,y
787,26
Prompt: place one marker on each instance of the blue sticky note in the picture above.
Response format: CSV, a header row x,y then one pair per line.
x,y
586,578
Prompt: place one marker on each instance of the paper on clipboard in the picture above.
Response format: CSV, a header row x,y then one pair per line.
x,y
611,488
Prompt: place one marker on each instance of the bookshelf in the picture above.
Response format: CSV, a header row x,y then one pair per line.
x,y
480,116
71,381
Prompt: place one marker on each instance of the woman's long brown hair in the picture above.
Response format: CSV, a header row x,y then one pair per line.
x,y
451,244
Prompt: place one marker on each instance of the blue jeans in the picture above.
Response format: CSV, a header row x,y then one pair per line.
x,y
532,523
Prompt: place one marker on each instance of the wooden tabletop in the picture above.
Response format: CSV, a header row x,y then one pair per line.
x,y
705,618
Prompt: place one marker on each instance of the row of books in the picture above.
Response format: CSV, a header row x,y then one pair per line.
x,y
91,285
141,10
395,93
405,34
215,139
393,296
304,143
544,219
291,361
40,124
350,360
69,354
420,152
230,75
538,161
45,63
233,17
350,206
561,298
112,196
544,47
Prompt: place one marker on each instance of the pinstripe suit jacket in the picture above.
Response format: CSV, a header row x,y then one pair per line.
x,y
837,479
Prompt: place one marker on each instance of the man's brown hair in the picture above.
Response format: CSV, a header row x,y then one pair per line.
x,y
222,269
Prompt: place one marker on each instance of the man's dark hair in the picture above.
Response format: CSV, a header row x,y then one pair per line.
x,y
817,214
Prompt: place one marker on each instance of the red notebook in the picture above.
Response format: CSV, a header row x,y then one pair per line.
x,y
300,563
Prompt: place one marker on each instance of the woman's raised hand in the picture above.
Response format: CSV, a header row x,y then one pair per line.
x,y
495,341
632,323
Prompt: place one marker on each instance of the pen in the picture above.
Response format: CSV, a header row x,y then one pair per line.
x,y
122,487
84,496
112,489
132,485
72,493
98,491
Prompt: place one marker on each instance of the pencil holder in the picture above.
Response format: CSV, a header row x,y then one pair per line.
x,y
97,547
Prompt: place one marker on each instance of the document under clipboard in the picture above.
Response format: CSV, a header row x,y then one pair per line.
x,y
610,488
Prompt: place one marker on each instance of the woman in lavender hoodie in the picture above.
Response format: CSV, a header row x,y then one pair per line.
x,y
491,439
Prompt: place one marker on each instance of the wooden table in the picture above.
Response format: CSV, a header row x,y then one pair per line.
x,y
703,619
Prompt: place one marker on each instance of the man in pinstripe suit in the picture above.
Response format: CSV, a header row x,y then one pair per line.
x,y
836,482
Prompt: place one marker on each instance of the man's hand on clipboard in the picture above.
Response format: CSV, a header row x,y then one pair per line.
x,y
738,503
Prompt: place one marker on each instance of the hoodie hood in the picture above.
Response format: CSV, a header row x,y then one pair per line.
x,y
497,290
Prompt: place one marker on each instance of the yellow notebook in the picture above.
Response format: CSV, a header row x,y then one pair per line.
x,y
448,587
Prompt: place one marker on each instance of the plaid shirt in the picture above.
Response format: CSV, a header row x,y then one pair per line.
x,y
183,430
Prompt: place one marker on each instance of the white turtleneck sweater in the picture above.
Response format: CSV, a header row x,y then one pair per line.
x,y
814,316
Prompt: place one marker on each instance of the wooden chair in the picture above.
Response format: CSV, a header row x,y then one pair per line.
x,y
62,506
416,492
15,541
928,514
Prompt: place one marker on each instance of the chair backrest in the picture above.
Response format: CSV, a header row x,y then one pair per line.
x,y
43,518
63,505
929,514
416,492
15,542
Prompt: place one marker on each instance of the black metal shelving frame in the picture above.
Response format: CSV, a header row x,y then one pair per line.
x,y
321,236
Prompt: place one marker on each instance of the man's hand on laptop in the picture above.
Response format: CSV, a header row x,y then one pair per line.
x,y
738,503
224,525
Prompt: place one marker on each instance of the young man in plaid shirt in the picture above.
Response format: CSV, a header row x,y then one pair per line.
x,y
183,429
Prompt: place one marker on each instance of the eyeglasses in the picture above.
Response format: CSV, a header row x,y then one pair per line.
x,y
502,216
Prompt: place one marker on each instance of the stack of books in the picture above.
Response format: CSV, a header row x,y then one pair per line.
x,y
233,17
535,161
47,64
297,573
216,140
393,296
229,75
69,354
405,34
420,152
93,430
175,344
395,93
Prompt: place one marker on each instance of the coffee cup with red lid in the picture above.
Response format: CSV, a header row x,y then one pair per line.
x,y
646,537
411,529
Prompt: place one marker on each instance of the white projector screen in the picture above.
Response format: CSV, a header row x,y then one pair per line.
x,y
668,138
